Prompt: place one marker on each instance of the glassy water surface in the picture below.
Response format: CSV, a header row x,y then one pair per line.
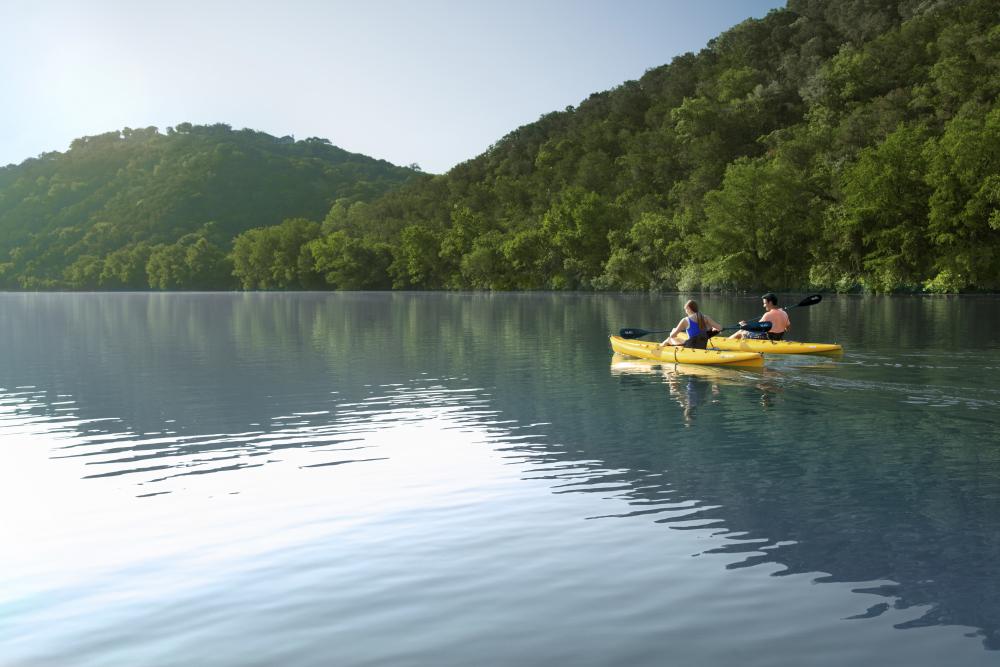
x,y
473,479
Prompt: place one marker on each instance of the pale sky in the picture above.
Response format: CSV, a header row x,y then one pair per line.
x,y
433,82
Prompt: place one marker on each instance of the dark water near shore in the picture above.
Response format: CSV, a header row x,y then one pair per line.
x,y
472,479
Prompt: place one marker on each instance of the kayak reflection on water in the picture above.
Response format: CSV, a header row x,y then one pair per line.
x,y
690,392
695,386
689,385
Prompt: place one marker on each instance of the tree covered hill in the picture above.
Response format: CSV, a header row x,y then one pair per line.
x,y
99,214
835,144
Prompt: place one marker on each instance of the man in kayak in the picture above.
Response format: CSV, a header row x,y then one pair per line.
x,y
776,316
698,327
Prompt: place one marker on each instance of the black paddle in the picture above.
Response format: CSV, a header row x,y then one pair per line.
x,y
810,300
756,327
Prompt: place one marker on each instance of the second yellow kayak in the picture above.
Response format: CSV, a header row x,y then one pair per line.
x,y
769,346
682,355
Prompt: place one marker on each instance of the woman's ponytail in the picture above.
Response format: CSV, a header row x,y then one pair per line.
x,y
693,306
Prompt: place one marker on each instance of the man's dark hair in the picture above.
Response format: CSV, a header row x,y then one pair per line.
x,y
771,298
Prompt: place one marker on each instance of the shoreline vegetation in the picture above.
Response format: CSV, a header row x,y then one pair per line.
x,y
829,146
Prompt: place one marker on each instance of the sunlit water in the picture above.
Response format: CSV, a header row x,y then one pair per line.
x,y
473,479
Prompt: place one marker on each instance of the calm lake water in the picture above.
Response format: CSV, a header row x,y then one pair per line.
x,y
472,479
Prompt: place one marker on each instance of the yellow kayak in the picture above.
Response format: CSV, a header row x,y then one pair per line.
x,y
769,346
682,355
625,365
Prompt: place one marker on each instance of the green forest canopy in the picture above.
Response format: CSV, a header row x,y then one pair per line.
x,y
140,209
833,144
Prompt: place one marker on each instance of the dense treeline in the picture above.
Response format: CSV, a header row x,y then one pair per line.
x,y
142,209
838,145
834,144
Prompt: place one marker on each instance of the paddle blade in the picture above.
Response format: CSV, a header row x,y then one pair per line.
x,y
810,300
757,327
633,333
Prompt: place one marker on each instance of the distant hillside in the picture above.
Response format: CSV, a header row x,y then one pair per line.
x,y
140,208
833,144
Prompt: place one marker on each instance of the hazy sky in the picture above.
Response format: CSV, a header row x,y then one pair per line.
x,y
433,82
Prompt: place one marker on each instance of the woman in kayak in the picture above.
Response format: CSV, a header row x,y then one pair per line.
x,y
698,327
776,316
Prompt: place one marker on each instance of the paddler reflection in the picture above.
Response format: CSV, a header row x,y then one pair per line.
x,y
691,392
769,391
690,386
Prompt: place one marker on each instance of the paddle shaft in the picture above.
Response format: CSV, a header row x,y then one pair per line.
x,y
632,332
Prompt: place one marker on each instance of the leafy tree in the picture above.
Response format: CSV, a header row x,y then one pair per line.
x,y
879,231
526,261
457,241
648,256
965,203
758,227
484,266
84,273
417,261
166,267
276,257
349,263
190,263
577,226
125,268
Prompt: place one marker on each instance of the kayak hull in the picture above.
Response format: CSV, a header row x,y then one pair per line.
x,y
682,355
625,365
771,346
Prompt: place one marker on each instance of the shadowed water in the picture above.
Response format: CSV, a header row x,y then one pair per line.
x,y
458,479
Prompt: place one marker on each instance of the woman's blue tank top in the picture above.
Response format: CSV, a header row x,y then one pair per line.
x,y
693,329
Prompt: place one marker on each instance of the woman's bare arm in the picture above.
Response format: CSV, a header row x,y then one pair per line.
x,y
681,326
